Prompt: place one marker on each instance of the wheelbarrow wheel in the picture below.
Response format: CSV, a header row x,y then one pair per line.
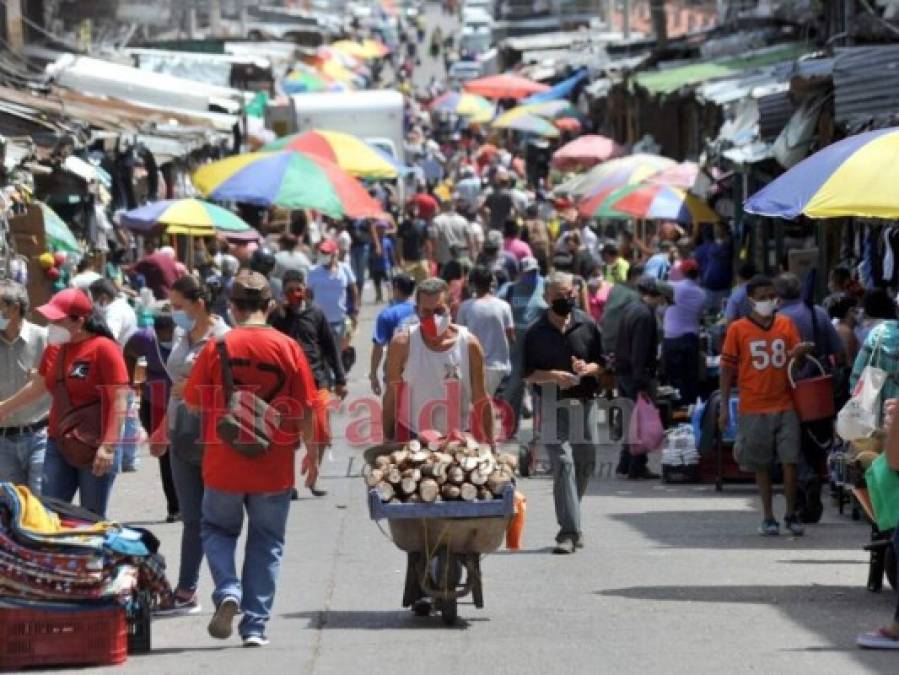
x,y
449,611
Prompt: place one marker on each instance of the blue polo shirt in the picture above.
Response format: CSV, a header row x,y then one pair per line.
x,y
390,319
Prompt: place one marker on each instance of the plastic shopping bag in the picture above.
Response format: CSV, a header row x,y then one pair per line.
x,y
516,524
883,486
859,418
646,432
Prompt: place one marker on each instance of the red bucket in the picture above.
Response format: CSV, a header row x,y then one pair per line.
x,y
812,397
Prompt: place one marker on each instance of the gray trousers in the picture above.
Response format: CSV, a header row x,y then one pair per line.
x,y
572,452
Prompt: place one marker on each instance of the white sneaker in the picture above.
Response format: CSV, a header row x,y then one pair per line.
x,y
877,639
255,641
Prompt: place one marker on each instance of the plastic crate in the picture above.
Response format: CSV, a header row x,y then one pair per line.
x,y
62,635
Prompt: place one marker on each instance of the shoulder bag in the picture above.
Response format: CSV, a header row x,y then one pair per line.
x,y
245,426
79,429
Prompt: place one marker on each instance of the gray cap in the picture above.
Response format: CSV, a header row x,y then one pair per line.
x,y
529,264
494,239
652,286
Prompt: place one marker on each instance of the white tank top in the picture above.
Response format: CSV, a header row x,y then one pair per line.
x,y
436,383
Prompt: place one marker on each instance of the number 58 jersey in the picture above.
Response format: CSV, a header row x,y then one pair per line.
x,y
760,358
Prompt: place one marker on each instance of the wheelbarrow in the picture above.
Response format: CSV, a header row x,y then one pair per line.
x,y
444,542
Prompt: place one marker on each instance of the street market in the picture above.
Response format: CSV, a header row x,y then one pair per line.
x,y
547,326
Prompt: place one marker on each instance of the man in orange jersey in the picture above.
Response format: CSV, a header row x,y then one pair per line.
x,y
757,351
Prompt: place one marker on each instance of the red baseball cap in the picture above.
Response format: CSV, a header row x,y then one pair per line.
x,y
70,302
328,247
689,265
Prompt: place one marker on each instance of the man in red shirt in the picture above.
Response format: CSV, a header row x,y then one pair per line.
x,y
274,368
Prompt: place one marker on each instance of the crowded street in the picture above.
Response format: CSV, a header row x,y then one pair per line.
x,y
343,335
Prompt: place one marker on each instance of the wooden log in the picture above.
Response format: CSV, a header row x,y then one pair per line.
x,y
414,498
478,477
445,458
485,449
455,475
413,473
484,494
450,492
468,492
413,446
498,480
459,457
429,490
393,475
419,457
408,486
435,446
395,500
453,447
471,442
400,458
469,464
509,460
374,477
486,464
382,462
385,491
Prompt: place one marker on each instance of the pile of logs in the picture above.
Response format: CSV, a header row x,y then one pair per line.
x,y
442,470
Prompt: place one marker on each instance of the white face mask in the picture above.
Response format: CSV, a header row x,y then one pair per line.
x,y
4,322
765,308
57,335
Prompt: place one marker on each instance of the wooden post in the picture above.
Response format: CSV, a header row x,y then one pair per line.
x,y
15,32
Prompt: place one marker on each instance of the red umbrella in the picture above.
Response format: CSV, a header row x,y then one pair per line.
x,y
567,124
586,151
504,86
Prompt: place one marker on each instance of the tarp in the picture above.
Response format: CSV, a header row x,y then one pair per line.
x,y
561,90
671,79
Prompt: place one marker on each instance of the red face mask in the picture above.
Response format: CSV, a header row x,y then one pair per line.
x,y
435,326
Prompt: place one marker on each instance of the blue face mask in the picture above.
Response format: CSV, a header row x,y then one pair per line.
x,y
179,316
4,322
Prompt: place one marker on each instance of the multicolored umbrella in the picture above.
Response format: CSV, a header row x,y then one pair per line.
x,y
292,180
504,86
366,50
600,204
663,202
615,173
550,109
586,151
571,124
478,108
300,81
192,217
681,175
853,177
59,236
518,119
350,153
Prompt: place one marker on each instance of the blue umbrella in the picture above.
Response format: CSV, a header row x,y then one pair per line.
x,y
561,90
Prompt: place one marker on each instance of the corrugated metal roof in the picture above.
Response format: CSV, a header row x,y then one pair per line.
x,y
775,110
866,81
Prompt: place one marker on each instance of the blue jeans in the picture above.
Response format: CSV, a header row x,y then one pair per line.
x,y
221,526
62,481
22,459
188,480
359,263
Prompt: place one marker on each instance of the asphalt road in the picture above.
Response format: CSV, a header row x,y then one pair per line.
x,y
672,580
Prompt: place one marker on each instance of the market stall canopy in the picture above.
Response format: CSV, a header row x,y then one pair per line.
x,y
59,236
475,107
293,180
615,173
504,86
585,152
192,217
663,202
349,152
853,177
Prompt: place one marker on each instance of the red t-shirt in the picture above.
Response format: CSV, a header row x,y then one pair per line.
x,y
427,205
276,369
91,371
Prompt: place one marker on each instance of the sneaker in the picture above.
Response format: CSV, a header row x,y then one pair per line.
x,y
794,526
220,624
580,542
564,547
255,641
318,492
179,605
877,639
769,528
